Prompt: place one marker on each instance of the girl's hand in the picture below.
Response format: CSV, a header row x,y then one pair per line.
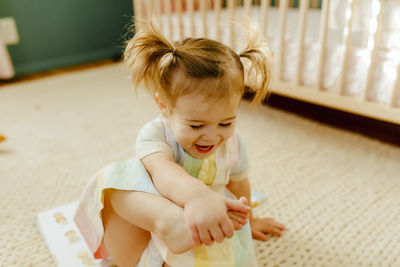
x,y
239,219
207,217
260,227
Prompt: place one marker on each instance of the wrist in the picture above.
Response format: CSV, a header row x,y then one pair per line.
x,y
198,191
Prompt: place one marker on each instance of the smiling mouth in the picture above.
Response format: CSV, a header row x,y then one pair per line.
x,y
204,149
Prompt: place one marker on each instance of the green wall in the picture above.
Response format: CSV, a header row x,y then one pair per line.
x,y
60,33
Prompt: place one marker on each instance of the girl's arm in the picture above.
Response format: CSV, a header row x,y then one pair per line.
x,y
171,180
259,226
205,210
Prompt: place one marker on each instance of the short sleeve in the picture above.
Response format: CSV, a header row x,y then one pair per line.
x,y
239,169
151,139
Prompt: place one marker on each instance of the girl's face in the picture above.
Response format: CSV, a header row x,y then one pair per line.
x,y
200,125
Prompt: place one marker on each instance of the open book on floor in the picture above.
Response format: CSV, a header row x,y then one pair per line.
x,y
64,239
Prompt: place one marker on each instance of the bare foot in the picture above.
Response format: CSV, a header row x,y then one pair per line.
x,y
172,228
174,232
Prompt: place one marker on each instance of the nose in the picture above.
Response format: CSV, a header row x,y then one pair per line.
x,y
211,135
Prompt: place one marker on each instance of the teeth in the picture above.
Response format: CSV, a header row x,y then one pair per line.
x,y
203,147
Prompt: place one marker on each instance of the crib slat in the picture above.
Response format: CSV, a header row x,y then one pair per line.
x,y
150,8
323,31
231,8
180,18
217,8
347,48
265,4
283,7
169,18
247,7
396,89
190,5
156,13
375,39
203,10
302,31
138,5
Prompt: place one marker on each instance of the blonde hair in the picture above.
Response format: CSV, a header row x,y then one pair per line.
x,y
155,61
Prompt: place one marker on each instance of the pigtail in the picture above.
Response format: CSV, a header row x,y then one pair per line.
x,y
149,56
256,59
153,60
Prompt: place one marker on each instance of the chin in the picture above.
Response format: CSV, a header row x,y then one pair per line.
x,y
203,156
199,155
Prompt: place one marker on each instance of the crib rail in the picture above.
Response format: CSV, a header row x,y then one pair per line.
x,y
187,14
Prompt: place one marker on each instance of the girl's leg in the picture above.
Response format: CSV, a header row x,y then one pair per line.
x,y
125,242
129,216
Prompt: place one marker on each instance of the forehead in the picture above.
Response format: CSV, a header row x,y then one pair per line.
x,y
200,108
215,88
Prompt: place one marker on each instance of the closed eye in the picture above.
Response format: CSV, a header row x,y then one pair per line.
x,y
225,124
196,127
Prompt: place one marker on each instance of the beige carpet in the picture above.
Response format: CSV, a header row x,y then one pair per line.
x,y
337,192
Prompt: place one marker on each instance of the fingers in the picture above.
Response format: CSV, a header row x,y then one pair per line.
x,y
280,226
205,237
235,205
244,200
237,226
239,214
216,234
261,227
275,230
228,227
271,226
195,235
259,235
274,223
237,217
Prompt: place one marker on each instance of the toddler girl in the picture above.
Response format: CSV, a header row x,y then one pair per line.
x,y
183,201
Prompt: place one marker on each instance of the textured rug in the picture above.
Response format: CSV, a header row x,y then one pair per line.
x,y
337,192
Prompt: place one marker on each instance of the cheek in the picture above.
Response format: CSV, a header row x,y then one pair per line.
x,y
228,133
186,136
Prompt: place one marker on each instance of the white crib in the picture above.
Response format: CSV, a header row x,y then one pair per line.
x,y
345,55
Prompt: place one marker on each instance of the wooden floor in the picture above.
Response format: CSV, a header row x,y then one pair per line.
x,y
383,131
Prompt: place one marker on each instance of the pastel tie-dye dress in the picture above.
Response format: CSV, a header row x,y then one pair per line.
x,y
229,162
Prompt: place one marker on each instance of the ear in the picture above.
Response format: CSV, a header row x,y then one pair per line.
x,y
164,110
